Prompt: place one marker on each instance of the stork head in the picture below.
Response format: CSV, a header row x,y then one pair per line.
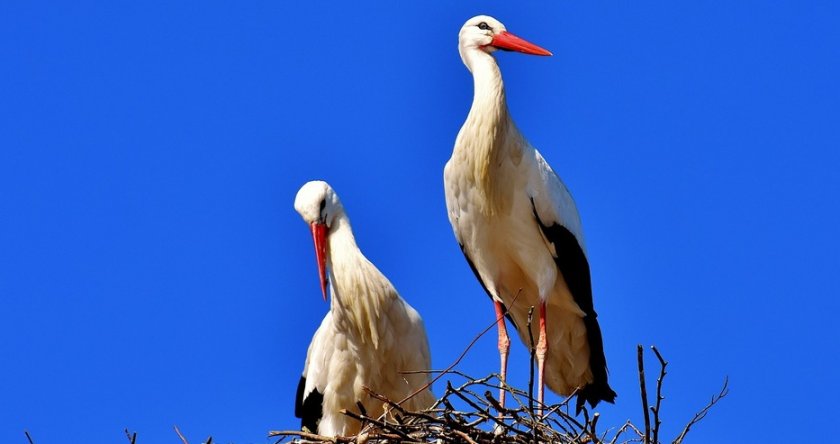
x,y
319,206
484,33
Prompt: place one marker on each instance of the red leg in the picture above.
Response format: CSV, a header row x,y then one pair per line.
x,y
504,346
542,349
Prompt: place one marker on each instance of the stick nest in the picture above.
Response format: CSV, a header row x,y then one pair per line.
x,y
468,413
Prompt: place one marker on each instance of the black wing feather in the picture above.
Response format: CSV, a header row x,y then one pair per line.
x,y
574,267
309,410
478,276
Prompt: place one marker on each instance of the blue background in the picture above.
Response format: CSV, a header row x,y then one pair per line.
x,y
154,272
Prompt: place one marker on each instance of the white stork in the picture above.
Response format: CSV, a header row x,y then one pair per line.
x,y
367,339
519,228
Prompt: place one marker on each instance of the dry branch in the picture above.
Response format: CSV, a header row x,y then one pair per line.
x,y
656,421
702,413
640,357
457,361
183,440
132,437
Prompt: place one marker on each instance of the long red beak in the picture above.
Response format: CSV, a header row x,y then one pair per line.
x,y
319,235
510,42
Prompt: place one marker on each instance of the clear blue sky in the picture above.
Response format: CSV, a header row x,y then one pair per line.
x,y
153,271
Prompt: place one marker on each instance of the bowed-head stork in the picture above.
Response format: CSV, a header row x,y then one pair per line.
x,y
369,337
519,229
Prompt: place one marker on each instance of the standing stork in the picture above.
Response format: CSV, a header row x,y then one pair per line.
x,y
369,337
519,229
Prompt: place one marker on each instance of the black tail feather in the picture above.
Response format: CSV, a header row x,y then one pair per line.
x,y
599,389
593,394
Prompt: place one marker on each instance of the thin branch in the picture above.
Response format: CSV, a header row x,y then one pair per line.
x,y
532,353
381,424
28,437
131,437
641,360
183,440
592,433
464,436
620,430
312,436
478,408
702,413
656,421
637,431
463,353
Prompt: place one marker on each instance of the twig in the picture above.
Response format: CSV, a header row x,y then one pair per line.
x,y
400,409
450,389
28,437
311,436
532,351
209,440
640,357
183,440
702,413
381,424
592,433
620,430
635,429
656,421
131,437
465,436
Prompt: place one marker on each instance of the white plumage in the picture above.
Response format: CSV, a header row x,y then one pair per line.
x,y
519,228
369,336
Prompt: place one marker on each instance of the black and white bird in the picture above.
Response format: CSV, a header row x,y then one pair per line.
x,y
519,228
369,337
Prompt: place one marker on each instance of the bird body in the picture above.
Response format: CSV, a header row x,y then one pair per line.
x,y
369,337
519,227
513,259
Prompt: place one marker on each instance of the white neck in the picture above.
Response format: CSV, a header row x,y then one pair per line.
x,y
341,249
488,133
489,108
340,231
358,288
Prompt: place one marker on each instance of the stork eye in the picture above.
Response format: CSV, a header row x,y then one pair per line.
x,y
321,209
484,26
